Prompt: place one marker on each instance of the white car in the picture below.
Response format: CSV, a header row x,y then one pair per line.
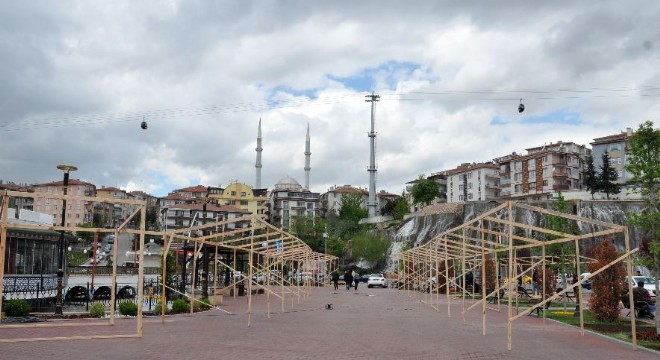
x,y
649,283
376,280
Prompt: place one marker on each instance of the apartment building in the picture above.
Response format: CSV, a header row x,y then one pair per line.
x,y
441,178
615,146
77,211
119,212
331,200
473,182
543,171
288,199
192,192
185,215
15,202
244,197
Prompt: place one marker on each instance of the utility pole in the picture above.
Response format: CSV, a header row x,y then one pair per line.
x,y
371,203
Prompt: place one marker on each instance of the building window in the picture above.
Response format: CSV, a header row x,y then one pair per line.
x,y
545,182
517,177
285,204
460,197
244,202
532,186
615,161
518,165
544,159
243,194
233,193
470,196
545,171
614,147
568,171
532,174
531,163
469,185
460,187
518,188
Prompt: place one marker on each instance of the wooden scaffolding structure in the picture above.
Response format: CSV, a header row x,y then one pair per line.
x,y
266,246
446,260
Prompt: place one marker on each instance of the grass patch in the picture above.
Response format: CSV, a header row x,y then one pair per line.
x,y
620,329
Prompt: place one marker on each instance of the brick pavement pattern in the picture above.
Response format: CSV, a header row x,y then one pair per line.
x,y
363,324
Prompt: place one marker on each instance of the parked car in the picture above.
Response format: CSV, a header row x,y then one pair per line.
x,y
587,283
649,283
377,280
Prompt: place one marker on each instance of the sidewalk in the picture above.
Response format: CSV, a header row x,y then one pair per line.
x,y
363,324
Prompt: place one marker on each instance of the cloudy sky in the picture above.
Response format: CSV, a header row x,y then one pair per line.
x,y
77,77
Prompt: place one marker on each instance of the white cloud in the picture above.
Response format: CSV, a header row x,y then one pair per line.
x,y
79,76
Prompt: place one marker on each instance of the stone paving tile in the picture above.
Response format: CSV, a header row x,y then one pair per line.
x,y
363,324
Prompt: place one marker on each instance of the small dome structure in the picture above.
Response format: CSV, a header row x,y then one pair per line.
x,y
288,183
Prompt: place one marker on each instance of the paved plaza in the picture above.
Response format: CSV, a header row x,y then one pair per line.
x,y
362,324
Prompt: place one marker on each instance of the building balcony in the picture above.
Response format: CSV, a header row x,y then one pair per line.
x,y
492,176
560,187
558,175
492,186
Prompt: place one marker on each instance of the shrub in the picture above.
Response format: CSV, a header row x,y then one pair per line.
x,y
157,308
202,304
97,310
17,307
180,306
607,286
128,309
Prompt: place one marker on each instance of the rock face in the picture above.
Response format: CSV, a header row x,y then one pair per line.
x,y
420,228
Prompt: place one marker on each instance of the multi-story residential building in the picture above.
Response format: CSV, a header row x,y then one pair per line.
x,y
119,211
331,200
77,212
185,215
615,146
16,202
441,178
192,192
543,171
473,182
288,199
243,197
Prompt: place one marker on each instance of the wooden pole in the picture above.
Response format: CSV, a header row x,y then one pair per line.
x,y
463,269
631,301
510,277
215,275
114,279
249,280
447,283
140,290
3,240
163,293
194,277
483,279
579,287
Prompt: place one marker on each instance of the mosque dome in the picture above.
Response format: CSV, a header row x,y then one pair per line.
x,y
288,183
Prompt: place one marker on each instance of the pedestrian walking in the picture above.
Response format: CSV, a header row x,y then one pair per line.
x,y
356,278
348,279
335,279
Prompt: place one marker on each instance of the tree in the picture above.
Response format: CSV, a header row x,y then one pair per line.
x,y
561,224
401,208
590,177
425,190
351,208
608,285
371,248
607,177
310,231
643,163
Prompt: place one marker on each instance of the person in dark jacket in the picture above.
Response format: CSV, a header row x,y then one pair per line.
x,y
348,279
335,279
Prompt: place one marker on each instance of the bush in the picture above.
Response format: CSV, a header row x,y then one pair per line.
x,y
608,286
157,308
202,304
128,309
180,306
97,310
17,307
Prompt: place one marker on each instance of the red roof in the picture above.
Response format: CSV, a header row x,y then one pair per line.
x,y
194,189
465,168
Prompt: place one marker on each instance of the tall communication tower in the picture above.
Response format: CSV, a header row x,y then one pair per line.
x,y
371,203
257,165
308,153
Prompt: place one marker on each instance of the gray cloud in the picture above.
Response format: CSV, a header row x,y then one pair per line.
x,y
77,78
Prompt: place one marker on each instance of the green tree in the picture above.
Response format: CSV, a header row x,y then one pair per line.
x,y
607,177
401,208
310,231
351,208
371,248
591,177
425,190
643,163
561,224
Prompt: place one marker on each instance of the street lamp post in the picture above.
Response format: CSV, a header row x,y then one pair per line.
x,y
60,247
